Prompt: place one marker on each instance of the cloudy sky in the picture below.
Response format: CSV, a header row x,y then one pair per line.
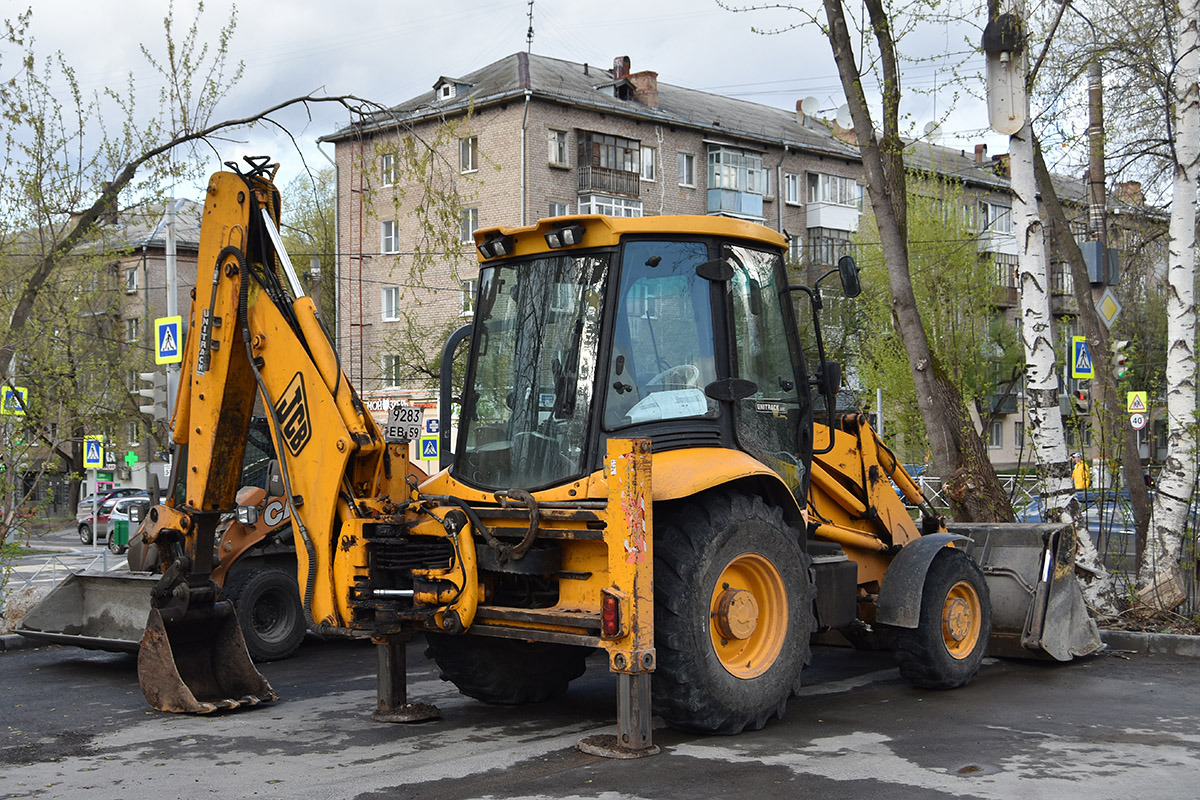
x,y
390,51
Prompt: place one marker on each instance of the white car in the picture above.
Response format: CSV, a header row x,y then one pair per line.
x,y
120,513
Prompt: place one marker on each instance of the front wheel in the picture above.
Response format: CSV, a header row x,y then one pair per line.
x,y
732,614
947,647
266,599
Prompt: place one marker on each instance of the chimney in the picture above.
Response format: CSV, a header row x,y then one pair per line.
x,y
1130,192
980,153
620,67
645,88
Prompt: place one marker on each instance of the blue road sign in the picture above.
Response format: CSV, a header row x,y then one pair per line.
x,y
93,452
1081,358
168,348
13,400
429,447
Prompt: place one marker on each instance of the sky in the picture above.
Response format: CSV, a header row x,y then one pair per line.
x,y
389,52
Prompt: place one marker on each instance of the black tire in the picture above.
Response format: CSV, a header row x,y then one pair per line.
x,y
505,671
946,648
704,544
266,599
85,533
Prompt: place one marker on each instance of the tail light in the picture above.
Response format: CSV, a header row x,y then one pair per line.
x,y
610,615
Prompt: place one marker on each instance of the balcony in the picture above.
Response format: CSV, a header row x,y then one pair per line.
x,y
832,215
608,181
731,201
1004,296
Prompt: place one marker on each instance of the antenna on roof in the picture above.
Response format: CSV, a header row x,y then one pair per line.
x,y
529,33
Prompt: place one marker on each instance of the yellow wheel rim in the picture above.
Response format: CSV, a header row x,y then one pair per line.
x,y
961,620
748,615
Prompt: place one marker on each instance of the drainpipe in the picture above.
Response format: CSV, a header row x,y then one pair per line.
x,y
337,249
779,190
524,128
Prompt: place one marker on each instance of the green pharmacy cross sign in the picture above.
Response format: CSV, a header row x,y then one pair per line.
x,y
131,458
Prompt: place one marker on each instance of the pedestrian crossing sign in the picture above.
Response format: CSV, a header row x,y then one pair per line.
x,y
167,347
93,452
1081,359
14,400
1137,402
429,447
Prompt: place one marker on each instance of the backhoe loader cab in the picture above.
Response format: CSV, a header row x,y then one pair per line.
x,y
677,329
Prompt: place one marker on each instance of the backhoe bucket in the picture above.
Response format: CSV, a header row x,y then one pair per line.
x,y
1037,603
198,663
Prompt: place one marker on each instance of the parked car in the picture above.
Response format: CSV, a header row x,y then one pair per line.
x,y
120,513
83,512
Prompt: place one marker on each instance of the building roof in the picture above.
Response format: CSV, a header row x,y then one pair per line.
x,y
722,118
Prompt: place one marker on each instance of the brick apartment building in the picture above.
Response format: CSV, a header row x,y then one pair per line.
x,y
537,137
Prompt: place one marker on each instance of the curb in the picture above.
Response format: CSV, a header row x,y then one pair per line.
x,y
14,641
1167,644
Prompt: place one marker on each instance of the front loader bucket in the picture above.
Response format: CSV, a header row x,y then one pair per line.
x,y
1037,603
98,611
198,664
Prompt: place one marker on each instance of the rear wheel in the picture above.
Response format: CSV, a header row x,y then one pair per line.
x,y
85,533
113,547
266,599
946,648
733,613
505,671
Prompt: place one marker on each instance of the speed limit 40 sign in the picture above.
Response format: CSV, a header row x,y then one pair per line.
x,y
1137,421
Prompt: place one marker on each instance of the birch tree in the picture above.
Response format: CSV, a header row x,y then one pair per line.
x,y
1160,584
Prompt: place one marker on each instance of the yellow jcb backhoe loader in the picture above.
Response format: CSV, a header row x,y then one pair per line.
x,y
635,447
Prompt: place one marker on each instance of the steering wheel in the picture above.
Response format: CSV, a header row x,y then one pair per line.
x,y
681,376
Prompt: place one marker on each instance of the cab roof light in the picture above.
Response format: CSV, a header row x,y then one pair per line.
x,y
565,236
496,246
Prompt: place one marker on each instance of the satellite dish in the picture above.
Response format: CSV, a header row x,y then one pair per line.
x,y
844,120
933,132
810,106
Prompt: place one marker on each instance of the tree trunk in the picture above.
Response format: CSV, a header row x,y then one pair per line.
x,y
959,457
1160,584
1111,405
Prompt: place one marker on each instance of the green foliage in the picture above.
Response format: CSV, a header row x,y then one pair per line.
x,y
955,287
309,208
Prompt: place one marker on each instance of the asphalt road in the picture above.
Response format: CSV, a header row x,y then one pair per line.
x,y
1114,726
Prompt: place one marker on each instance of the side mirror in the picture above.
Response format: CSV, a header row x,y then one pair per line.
x,y
274,480
848,271
829,378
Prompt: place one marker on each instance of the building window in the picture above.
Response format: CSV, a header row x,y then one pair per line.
x,y
390,302
835,190
609,152
388,237
827,245
739,170
649,163
467,301
558,149
468,154
610,206
467,224
390,372
687,169
1019,437
131,329
996,435
559,209
995,218
131,280
795,250
389,169
791,189
446,91
131,433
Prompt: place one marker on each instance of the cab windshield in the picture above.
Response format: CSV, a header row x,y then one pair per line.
x,y
537,332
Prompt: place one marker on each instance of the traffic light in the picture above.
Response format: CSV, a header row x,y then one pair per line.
x,y
1081,401
1119,358
156,392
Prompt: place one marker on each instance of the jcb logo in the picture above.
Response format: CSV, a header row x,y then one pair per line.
x,y
292,410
